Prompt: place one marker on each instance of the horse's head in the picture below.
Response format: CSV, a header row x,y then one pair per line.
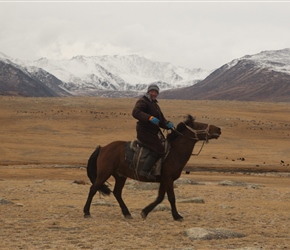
x,y
196,130
202,131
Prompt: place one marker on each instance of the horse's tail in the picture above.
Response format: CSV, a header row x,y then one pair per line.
x,y
92,171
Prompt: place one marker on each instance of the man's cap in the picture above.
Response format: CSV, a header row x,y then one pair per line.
x,y
153,86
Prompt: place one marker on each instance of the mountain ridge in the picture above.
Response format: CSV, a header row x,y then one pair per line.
x,y
94,75
260,77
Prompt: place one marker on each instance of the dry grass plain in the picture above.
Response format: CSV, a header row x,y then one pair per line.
x,y
46,142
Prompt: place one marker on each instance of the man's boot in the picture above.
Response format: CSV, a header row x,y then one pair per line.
x,y
151,159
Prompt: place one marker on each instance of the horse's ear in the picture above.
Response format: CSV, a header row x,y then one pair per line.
x,y
190,118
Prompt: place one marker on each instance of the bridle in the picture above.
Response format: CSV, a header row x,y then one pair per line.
x,y
196,133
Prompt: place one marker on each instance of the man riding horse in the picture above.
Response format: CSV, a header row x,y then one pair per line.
x,y
150,120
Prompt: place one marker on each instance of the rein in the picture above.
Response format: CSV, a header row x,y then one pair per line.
x,y
196,133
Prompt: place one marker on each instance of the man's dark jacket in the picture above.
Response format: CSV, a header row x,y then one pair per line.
x,y
147,132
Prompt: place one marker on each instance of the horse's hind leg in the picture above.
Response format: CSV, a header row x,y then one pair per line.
x,y
92,192
119,184
93,189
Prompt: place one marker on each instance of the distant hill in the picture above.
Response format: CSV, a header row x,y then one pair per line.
x,y
261,77
15,81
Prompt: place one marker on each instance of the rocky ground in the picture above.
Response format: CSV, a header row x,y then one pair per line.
x,y
236,195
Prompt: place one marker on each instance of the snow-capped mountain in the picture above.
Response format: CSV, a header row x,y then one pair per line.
x,y
277,60
261,77
98,75
16,79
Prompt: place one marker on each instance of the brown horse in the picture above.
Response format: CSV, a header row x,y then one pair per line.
x,y
110,161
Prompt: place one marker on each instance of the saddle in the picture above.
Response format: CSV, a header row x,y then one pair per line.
x,y
136,154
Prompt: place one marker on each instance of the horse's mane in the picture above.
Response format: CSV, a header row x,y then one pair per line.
x,y
181,127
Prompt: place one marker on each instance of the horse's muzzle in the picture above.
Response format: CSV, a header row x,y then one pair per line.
x,y
216,134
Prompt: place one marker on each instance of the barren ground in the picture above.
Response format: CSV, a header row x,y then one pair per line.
x,y
46,142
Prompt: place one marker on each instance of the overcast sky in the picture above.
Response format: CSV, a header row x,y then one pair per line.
x,y
189,34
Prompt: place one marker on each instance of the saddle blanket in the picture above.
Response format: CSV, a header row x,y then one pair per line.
x,y
136,154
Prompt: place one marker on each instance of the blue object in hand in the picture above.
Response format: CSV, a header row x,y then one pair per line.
x,y
169,125
154,120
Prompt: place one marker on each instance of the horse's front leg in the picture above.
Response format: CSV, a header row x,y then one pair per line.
x,y
172,201
119,184
159,199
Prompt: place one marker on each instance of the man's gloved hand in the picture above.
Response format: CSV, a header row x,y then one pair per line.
x,y
154,120
169,125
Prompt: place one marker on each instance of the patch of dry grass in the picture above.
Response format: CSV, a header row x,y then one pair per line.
x,y
67,130
39,136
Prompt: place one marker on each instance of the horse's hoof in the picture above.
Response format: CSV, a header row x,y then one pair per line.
x,y
179,219
128,216
143,215
87,216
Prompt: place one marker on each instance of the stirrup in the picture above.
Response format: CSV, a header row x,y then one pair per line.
x,y
147,175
